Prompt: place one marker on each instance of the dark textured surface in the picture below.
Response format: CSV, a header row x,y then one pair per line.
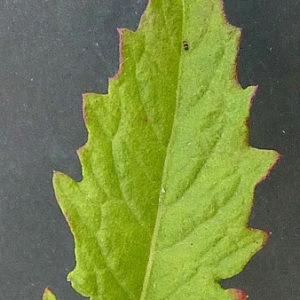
x,y
50,53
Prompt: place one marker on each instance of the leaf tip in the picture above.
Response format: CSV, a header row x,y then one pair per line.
x,y
277,157
121,31
238,294
57,175
48,295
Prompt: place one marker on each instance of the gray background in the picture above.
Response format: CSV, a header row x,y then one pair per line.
x,y
53,51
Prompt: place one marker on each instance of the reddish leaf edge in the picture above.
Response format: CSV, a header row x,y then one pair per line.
x,y
238,294
47,291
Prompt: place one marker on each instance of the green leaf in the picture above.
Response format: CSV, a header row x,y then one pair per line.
x,y
168,175
48,295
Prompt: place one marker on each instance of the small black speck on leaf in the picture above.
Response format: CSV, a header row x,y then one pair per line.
x,y
185,45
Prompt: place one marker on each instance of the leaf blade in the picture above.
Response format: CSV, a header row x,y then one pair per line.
x,y
177,121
